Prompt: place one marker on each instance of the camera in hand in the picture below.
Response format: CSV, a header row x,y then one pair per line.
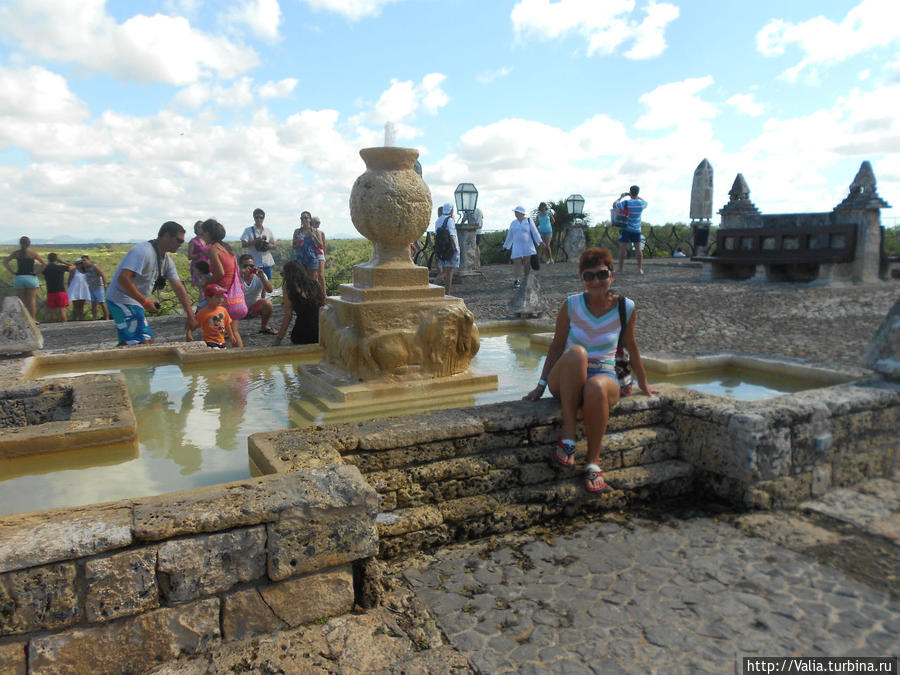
x,y
262,244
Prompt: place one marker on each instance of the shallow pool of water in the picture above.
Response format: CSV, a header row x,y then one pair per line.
x,y
742,384
193,427
193,424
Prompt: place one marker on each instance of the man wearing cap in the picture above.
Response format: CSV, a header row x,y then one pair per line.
x,y
445,217
260,241
521,239
145,268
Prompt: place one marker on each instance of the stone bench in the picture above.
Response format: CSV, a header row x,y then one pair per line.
x,y
795,253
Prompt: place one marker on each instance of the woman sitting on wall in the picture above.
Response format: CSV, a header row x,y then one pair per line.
x,y
303,296
580,364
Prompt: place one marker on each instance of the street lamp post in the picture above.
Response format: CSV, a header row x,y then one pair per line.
x,y
575,239
575,205
466,197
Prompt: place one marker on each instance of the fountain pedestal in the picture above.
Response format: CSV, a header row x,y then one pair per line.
x,y
391,333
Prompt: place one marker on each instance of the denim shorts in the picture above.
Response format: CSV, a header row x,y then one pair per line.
x,y
21,281
591,372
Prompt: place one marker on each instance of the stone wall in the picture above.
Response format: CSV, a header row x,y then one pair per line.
x,y
780,451
460,474
117,587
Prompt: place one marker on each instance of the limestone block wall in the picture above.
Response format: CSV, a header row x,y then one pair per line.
x,y
783,450
465,473
460,474
117,587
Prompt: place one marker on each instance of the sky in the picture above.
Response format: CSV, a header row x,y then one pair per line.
x,y
117,116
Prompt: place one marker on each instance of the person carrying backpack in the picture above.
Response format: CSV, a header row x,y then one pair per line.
x,y
446,246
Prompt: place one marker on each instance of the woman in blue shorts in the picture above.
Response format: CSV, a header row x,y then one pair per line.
x,y
580,364
25,281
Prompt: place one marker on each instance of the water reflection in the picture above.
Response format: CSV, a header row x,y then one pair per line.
x,y
192,430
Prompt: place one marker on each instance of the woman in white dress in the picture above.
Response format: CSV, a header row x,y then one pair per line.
x,y
79,292
521,241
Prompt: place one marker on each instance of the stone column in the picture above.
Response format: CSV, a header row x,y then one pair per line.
x,y
575,240
700,237
863,207
469,264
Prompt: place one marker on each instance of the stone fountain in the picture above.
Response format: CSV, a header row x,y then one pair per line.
x,y
391,332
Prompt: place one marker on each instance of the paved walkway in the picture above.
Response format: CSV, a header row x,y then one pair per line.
x,y
691,595
688,591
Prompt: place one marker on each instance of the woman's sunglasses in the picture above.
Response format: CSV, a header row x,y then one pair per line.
x,y
589,276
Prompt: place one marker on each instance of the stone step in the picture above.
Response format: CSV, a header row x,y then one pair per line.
x,y
425,527
441,461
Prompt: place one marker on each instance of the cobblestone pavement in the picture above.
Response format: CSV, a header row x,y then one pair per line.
x,y
675,590
689,596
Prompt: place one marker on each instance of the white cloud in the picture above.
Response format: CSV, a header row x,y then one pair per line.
x,y
241,93
193,96
404,99
871,24
488,76
605,25
650,38
262,16
747,104
238,95
38,94
352,9
676,104
155,48
104,178
279,89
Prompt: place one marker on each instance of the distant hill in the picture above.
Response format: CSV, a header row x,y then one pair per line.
x,y
62,240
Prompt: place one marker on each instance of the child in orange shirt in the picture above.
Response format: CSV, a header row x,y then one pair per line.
x,y
214,319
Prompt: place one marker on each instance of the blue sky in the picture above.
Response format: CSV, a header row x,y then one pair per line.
x,y
117,116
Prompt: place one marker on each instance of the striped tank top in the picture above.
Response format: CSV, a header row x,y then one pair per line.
x,y
599,335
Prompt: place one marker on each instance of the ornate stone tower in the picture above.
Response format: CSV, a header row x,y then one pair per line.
x,y
863,207
739,210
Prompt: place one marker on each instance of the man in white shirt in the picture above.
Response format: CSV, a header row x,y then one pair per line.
x,y
256,285
260,241
146,268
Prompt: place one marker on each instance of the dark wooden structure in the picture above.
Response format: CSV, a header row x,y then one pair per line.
x,y
792,253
